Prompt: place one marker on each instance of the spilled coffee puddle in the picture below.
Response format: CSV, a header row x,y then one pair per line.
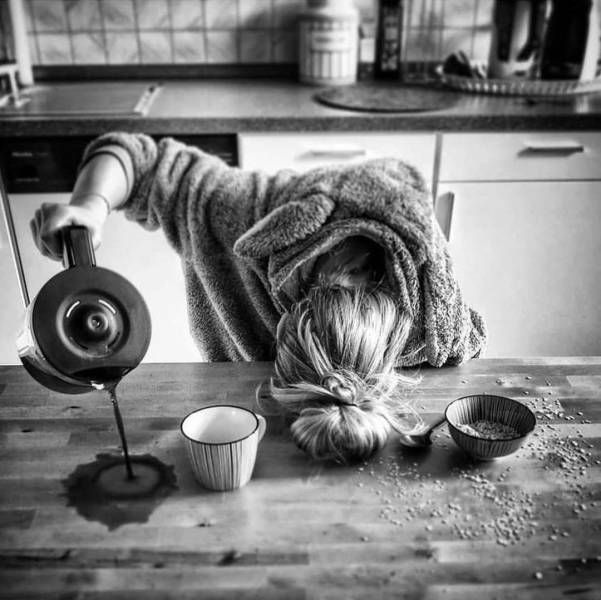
x,y
104,491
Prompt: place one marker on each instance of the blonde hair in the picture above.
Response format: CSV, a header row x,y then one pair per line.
x,y
335,356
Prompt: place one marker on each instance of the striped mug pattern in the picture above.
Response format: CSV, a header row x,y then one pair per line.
x,y
222,442
496,409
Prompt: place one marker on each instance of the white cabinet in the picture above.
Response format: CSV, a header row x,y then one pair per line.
x,y
12,309
525,237
526,156
302,151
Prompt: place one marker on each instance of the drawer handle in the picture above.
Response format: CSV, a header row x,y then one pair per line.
x,y
554,147
335,152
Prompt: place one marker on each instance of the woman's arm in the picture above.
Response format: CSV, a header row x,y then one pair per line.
x,y
103,184
201,203
107,174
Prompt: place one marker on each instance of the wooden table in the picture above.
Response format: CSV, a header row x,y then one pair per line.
x,y
426,524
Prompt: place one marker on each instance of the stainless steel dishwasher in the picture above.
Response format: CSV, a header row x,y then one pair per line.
x,y
35,170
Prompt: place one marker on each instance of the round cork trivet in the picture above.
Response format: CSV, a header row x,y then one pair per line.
x,y
387,97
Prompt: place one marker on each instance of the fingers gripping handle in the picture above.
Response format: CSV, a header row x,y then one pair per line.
x,y
78,250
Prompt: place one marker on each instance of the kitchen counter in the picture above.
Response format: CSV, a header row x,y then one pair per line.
x,y
233,106
408,523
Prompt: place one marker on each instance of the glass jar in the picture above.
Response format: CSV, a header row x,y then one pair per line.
x,y
329,40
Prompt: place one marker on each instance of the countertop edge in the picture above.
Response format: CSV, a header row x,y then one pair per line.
x,y
94,125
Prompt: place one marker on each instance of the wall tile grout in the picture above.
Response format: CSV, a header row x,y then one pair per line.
x,y
137,23
69,30
104,34
171,31
426,30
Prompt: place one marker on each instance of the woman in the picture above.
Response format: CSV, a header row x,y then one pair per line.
x,y
293,266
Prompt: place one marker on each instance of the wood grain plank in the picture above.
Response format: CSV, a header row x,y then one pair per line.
x,y
30,492
260,593
353,581
20,441
36,424
77,580
580,590
16,518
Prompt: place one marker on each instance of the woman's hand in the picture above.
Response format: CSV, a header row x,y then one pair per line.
x,y
91,212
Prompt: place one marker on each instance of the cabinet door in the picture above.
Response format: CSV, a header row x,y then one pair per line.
x,y
527,256
12,309
523,156
302,151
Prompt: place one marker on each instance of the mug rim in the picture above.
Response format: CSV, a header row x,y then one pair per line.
x,y
181,425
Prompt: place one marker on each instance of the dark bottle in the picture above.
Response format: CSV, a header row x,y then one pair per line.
x,y
389,34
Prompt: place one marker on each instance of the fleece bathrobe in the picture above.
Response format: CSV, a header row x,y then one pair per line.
x,y
245,238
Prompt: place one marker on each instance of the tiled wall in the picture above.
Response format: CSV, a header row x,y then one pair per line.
x,y
66,32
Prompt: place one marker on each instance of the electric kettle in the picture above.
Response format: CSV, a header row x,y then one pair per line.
x,y
517,36
571,48
87,327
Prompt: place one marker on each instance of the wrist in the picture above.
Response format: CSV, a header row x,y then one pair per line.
x,y
94,201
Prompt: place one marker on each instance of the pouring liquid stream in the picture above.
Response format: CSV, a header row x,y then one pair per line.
x,y
101,491
112,392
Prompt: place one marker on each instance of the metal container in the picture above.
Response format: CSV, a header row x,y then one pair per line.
x,y
329,40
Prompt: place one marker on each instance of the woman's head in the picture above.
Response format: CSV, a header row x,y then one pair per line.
x,y
355,261
335,357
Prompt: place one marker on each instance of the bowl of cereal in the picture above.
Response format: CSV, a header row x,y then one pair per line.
x,y
487,426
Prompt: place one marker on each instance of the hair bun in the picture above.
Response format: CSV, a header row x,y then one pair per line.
x,y
338,385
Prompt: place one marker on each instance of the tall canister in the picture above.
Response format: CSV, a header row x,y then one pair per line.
x,y
329,40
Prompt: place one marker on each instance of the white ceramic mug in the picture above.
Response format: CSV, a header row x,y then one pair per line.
x,y
222,444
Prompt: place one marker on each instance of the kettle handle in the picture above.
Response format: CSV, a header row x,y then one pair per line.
x,y
535,30
78,250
